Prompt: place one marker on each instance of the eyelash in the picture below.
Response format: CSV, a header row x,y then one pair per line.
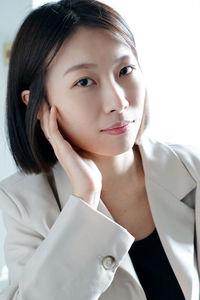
x,y
86,78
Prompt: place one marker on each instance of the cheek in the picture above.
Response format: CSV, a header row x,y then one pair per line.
x,y
78,111
77,115
80,105
136,91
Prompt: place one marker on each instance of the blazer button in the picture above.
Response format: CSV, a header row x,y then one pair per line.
x,y
108,262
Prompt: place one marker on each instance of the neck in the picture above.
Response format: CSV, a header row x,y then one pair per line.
x,y
119,171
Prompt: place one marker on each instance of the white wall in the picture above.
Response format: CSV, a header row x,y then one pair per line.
x,y
11,14
167,38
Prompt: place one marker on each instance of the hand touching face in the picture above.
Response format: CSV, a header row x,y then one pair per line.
x,y
84,175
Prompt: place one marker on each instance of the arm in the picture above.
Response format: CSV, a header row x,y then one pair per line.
x,y
68,262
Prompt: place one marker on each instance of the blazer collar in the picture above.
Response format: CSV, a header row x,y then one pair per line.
x,y
163,166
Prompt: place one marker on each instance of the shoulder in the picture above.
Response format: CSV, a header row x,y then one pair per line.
x,y
19,180
170,158
186,153
23,185
190,157
27,198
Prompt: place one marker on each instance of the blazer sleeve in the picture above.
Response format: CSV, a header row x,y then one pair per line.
x,y
76,260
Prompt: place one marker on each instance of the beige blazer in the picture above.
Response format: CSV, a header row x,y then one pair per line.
x,y
81,253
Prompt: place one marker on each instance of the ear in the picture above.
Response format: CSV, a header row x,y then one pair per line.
x,y
25,96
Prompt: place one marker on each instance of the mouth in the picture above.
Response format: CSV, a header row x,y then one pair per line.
x,y
118,127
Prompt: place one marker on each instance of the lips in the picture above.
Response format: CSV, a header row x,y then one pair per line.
x,y
118,125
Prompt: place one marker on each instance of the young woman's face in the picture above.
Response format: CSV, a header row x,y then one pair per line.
x,y
100,102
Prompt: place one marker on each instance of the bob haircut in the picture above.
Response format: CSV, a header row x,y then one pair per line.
x,y
36,44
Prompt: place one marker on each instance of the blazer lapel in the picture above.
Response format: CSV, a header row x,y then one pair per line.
x,y
167,183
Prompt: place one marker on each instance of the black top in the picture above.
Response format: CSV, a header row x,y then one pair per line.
x,y
153,269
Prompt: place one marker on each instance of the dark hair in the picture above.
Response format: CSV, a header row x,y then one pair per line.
x,y
40,37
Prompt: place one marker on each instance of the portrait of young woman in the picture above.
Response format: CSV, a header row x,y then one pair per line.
x,y
98,209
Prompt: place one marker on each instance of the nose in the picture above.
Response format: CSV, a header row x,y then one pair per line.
x,y
114,98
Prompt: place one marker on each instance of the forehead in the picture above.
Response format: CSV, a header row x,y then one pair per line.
x,y
91,45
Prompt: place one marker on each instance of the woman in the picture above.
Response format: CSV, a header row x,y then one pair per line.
x,y
99,211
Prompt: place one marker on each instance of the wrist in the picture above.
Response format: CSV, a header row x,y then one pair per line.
x,y
91,198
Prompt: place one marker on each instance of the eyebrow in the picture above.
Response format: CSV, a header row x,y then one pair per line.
x,y
90,65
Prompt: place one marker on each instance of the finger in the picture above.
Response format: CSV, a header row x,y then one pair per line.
x,y
53,125
57,139
44,119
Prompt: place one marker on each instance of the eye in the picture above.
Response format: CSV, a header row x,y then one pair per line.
x,y
84,82
126,70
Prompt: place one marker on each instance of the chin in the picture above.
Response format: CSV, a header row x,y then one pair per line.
x,y
110,150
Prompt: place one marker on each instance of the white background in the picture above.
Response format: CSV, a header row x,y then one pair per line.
x,y
167,36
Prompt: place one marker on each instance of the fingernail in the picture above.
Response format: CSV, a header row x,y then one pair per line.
x,y
52,109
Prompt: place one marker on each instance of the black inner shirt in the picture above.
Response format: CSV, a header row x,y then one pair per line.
x,y
154,270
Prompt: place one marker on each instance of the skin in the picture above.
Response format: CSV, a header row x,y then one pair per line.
x,y
80,104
